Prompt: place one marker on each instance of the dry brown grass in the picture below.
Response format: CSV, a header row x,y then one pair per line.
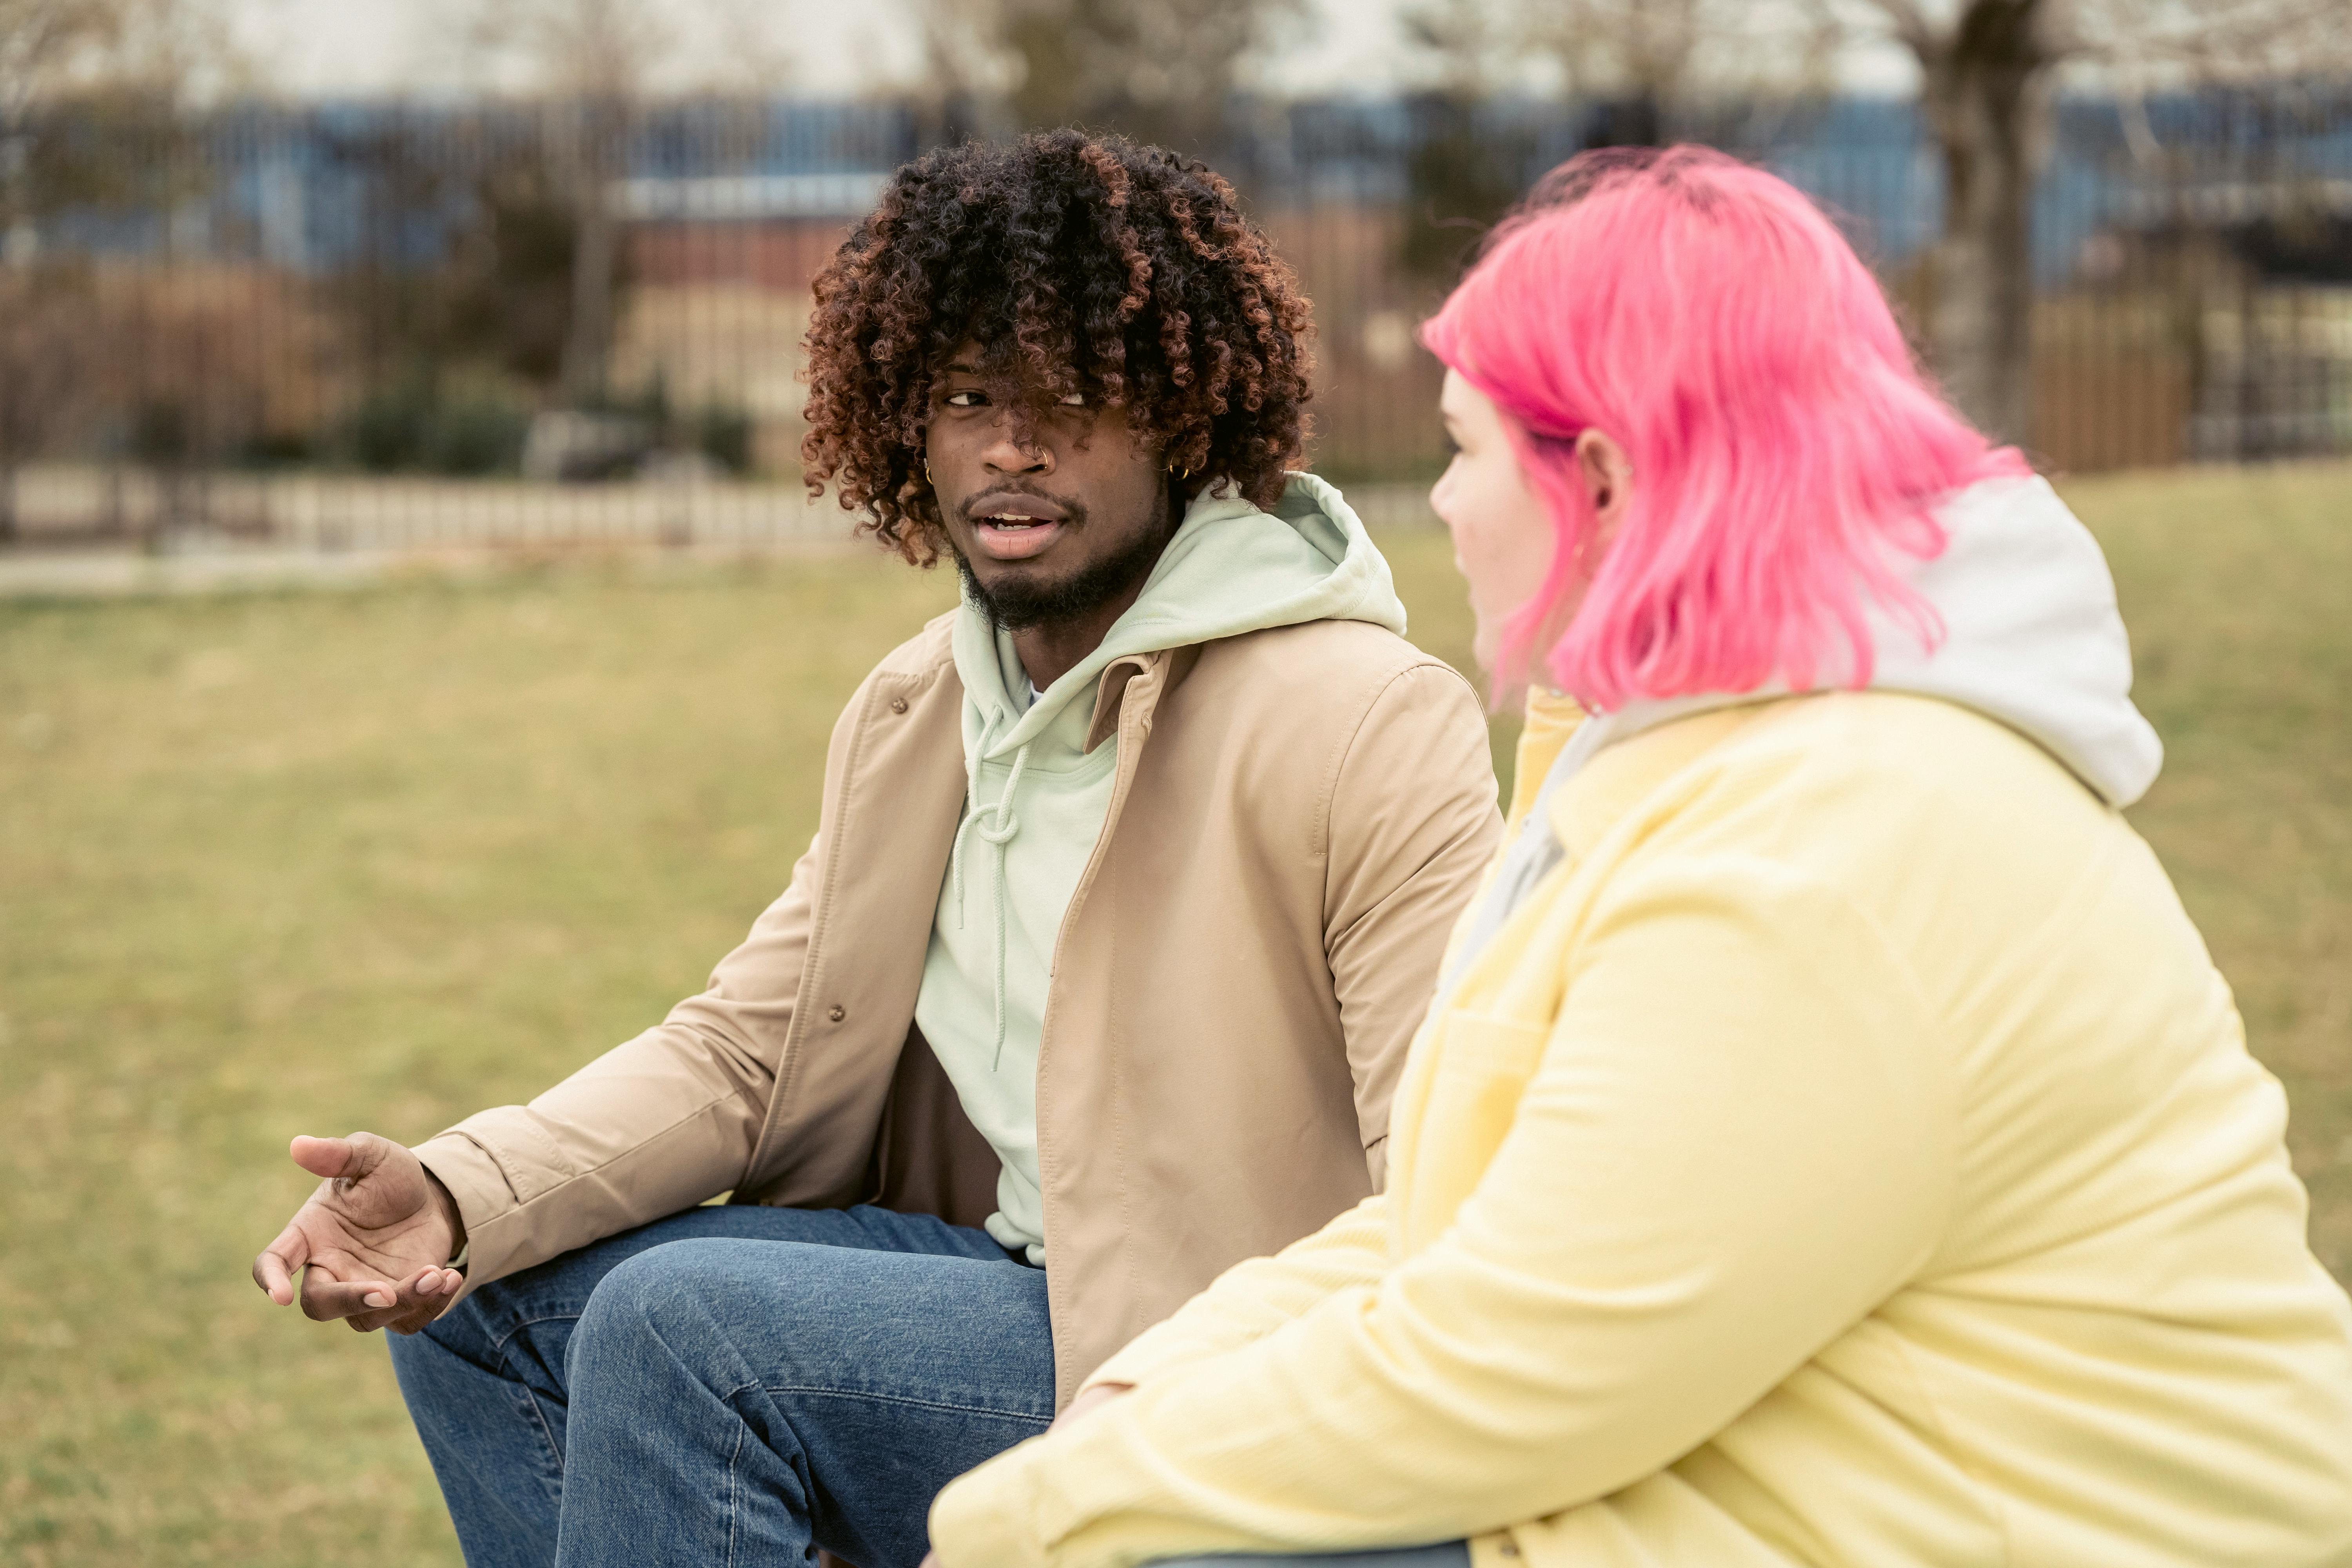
x,y
310,862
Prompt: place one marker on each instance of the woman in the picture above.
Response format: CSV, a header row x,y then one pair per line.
x,y
1830,1142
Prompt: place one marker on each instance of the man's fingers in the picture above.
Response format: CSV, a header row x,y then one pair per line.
x,y
372,1304
274,1270
331,1157
331,1300
324,1299
416,1318
430,1288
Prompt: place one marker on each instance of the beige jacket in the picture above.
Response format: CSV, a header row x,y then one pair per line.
x,y
1297,817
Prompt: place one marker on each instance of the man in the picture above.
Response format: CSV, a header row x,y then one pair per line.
x,y
1130,886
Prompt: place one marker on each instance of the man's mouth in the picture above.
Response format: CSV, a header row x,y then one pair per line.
x,y
1010,528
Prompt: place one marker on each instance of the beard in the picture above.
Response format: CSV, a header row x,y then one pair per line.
x,y
1021,602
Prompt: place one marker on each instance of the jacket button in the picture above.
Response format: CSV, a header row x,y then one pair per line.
x,y
897,705
836,1011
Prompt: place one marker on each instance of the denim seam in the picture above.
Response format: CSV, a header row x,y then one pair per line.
x,y
547,1436
499,1345
734,1469
812,1390
530,1397
538,1416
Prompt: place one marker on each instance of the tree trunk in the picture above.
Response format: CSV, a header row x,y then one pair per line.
x,y
600,130
587,348
1982,100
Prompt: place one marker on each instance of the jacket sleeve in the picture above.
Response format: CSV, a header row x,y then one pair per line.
x,y
1700,1186
660,1123
655,1125
1412,825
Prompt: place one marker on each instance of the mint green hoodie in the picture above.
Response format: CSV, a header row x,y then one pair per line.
x,y
1037,800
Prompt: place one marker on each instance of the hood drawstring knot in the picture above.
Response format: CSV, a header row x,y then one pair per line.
x,y
997,824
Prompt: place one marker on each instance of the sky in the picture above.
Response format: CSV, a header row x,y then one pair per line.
x,y
340,48
334,48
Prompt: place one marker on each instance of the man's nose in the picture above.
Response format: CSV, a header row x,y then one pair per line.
x,y
1011,450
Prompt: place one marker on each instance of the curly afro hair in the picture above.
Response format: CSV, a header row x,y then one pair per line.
x,y
1083,264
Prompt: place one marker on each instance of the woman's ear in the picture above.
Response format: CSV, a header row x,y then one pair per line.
x,y
1608,476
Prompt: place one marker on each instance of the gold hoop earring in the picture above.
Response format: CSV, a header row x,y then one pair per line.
x,y
927,474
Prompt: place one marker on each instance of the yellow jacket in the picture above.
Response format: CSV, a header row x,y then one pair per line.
x,y
1849,1155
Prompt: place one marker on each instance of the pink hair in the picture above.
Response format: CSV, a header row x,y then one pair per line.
x,y
1708,317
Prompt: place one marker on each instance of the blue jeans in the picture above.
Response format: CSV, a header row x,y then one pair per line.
x,y
729,1385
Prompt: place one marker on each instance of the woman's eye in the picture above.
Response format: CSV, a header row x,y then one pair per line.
x,y
963,399
1073,400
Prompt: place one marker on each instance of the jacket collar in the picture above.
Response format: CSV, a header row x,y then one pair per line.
x,y
1169,665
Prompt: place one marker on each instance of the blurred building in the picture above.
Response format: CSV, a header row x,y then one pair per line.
x,y
384,287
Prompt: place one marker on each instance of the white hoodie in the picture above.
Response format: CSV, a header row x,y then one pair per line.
x,y
2031,638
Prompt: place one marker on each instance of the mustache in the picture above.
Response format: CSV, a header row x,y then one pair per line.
x,y
1073,510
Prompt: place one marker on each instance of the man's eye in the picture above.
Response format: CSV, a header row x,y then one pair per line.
x,y
1073,400
964,399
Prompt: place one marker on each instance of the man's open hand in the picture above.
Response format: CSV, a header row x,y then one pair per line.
x,y
370,1243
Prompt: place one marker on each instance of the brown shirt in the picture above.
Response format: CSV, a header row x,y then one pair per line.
x,y
1297,816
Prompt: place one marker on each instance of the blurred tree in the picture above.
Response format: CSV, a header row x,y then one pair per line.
x,y
52,50
511,293
1983,84
38,39
1465,168
465,259
1988,69
45,325
967,73
1162,70
1671,54
593,62
43,41
456,311
90,95
1633,68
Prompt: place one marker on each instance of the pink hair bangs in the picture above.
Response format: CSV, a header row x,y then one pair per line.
x,y
1708,317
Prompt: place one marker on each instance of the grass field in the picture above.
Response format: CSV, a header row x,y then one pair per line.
x,y
312,862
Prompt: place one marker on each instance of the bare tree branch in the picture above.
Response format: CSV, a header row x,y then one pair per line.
x,y
605,49
2218,38
1159,68
165,50
1913,26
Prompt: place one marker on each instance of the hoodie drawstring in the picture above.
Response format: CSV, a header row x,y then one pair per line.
x,y
971,806
997,824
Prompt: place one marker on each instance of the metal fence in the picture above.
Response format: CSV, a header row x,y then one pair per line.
x,y
357,325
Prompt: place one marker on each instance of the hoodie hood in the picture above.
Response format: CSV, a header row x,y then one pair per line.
x,y
2031,637
1230,568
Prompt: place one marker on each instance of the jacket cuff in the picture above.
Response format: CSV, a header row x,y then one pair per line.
x,y
986,1518
481,1193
